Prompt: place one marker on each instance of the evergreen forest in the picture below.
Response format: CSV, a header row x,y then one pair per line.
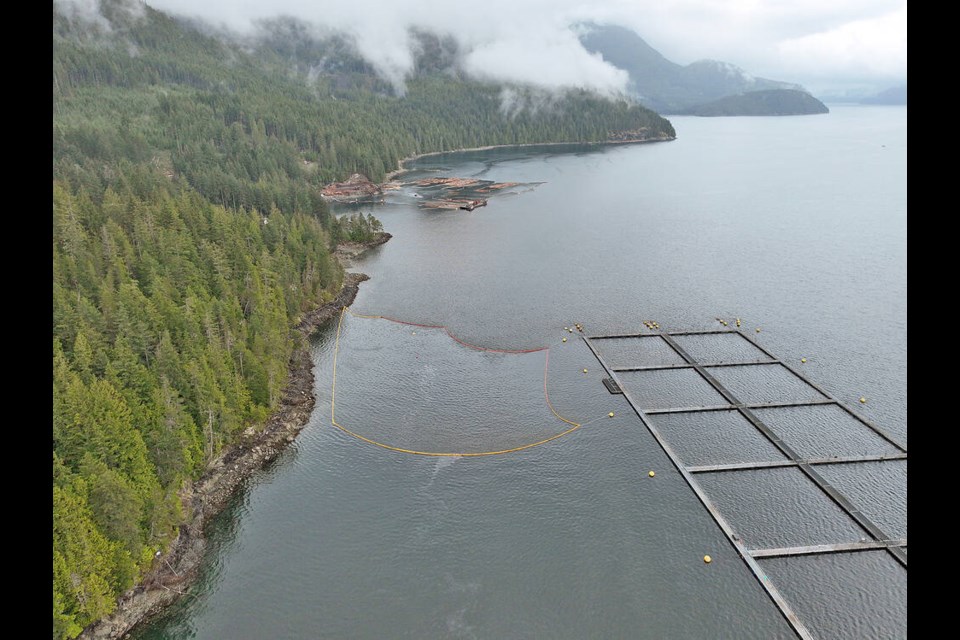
x,y
189,237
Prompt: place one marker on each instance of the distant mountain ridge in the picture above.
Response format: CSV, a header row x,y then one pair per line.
x,y
893,95
771,102
665,86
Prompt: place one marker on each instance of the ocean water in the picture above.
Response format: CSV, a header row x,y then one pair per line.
x,y
795,225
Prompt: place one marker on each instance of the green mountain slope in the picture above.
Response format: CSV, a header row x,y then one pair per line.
x,y
665,86
775,102
189,236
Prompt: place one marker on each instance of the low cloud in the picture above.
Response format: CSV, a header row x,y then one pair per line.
x,y
873,47
534,42
91,13
557,61
529,42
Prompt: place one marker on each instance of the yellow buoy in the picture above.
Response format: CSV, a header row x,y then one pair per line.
x,y
738,322
610,414
651,474
758,329
863,400
566,328
803,359
707,559
564,339
584,370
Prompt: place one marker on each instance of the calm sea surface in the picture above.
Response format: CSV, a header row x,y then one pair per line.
x,y
795,225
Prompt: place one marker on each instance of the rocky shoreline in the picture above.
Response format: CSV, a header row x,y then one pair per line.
x,y
174,571
347,251
401,169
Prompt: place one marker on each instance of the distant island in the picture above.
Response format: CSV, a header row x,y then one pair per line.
x,y
774,102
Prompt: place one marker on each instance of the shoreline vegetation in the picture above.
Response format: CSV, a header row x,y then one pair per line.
x,y
175,571
401,169
190,235
359,188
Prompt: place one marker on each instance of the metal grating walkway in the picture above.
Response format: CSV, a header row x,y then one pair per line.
x,y
877,539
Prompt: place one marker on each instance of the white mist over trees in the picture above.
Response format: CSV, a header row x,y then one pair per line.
x,y
818,43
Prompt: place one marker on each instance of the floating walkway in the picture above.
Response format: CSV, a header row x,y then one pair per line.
x,y
767,416
875,539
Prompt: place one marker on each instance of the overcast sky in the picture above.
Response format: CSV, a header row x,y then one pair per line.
x,y
825,45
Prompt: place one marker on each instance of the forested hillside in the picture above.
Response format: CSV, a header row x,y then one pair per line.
x,y
775,102
189,236
667,86
172,324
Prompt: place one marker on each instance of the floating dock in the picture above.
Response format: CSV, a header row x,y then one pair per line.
x,y
454,203
470,205
667,347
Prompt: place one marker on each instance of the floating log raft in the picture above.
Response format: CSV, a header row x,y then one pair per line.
x,y
455,183
458,193
497,186
467,205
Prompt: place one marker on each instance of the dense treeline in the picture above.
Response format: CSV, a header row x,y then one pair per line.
x,y
189,235
248,127
773,102
357,227
172,321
